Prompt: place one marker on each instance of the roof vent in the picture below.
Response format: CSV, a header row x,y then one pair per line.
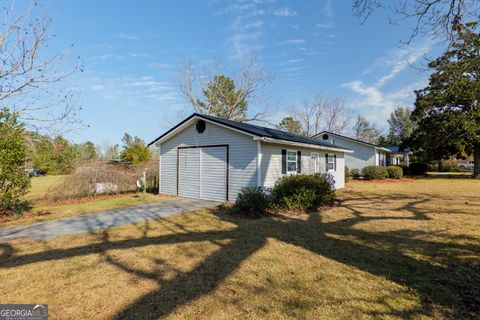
x,y
200,126
325,137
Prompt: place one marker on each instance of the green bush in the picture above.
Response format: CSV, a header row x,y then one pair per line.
x,y
394,172
303,192
347,174
355,173
457,169
375,173
13,181
252,202
417,168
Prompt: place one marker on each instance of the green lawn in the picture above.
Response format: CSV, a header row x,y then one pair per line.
x,y
43,210
390,250
40,185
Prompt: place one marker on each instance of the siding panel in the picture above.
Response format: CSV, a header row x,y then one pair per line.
x,y
362,156
213,172
243,154
189,173
272,163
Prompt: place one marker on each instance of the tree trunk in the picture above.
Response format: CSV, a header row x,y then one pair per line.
x,y
476,161
440,166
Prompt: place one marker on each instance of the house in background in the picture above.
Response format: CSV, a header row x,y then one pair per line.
x,y
210,158
365,154
400,154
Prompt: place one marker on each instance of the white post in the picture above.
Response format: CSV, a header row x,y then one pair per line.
x,y
259,163
144,180
159,166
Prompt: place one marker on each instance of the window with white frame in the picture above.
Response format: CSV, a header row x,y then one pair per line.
x,y
331,162
291,161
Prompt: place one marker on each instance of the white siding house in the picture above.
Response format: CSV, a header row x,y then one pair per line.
x,y
365,154
312,161
211,158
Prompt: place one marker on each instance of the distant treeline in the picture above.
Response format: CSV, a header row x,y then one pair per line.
x,y
57,155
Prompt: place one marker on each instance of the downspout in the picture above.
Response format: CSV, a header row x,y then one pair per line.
x,y
259,163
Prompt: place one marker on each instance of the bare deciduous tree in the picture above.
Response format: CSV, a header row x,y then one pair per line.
x,y
31,83
309,116
434,18
365,131
193,81
336,118
322,113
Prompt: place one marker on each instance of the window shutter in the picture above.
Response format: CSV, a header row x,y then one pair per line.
x,y
326,162
299,161
334,162
284,161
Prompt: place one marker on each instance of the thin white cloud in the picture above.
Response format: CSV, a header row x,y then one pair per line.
x,y
324,25
241,24
242,43
107,56
374,100
246,28
285,12
98,87
126,36
158,65
236,8
290,61
327,16
294,69
313,53
168,97
127,89
377,105
372,95
292,41
139,55
400,59
327,9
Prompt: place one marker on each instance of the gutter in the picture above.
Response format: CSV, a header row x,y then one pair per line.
x,y
305,145
384,149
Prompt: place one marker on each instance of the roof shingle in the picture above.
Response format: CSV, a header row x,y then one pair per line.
x,y
258,131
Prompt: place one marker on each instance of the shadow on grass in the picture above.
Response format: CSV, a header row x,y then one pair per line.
x,y
443,279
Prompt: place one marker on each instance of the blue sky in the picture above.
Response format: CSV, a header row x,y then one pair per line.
x,y
131,50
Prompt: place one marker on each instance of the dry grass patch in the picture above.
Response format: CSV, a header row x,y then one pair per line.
x,y
43,209
404,250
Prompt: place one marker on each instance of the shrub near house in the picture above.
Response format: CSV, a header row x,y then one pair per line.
x,y
355,173
252,202
303,192
374,173
395,172
293,192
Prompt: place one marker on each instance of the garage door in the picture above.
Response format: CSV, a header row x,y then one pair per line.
x,y
202,173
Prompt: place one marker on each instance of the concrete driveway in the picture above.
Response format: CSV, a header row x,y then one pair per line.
x,y
104,219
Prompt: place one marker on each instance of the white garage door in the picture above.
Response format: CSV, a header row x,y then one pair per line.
x,y
202,173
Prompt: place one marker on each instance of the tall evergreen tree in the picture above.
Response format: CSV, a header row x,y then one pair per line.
x,y
56,156
401,126
290,125
134,150
447,110
223,100
86,152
